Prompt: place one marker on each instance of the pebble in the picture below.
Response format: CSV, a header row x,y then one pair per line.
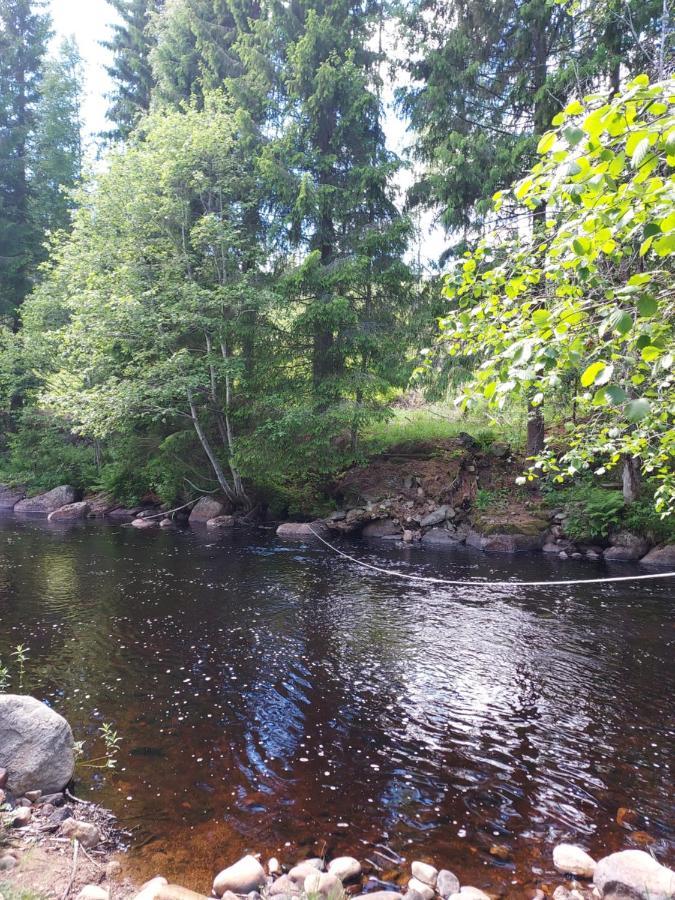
x,y
379,895
284,886
425,873
244,876
572,860
33,796
23,801
447,883
150,889
323,883
113,869
470,893
93,892
500,851
7,863
22,817
273,866
345,867
84,832
419,887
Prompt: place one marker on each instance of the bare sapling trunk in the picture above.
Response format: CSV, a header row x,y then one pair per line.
x,y
225,486
632,478
536,430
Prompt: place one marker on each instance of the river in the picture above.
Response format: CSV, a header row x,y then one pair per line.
x,y
275,698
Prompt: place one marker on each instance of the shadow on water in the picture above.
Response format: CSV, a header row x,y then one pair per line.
x,y
272,697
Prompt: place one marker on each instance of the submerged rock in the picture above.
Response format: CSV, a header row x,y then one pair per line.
x,y
639,871
43,504
571,860
244,876
300,531
36,745
441,537
381,528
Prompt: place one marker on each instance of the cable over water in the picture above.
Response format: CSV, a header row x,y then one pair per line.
x,y
429,580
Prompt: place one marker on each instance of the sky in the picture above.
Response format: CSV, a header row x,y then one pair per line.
x,y
88,21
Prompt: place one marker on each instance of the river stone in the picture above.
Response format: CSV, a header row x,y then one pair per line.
x,y
70,513
221,522
419,887
9,497
36,746
381,528
425,873
44,504
300,531
660,556
84,832
285,886
441,537
245,875
615,890
626,547
7,863
299,872
345,867
150,889
504,543
144,523
639,871
435,517
571,860
470,893
93,892
207,508
323,883
273,866
447,883
22,817
379,895
176,892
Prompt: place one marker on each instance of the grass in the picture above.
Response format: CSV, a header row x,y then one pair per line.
x,y
12,893
441,421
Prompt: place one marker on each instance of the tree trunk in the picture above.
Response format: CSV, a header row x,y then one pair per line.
x,y
632,478
536,430
208,449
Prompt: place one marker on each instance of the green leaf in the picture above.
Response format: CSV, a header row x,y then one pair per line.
x,y
647,306
623,322
650,353
590,375
637,410
615,394
546,142
638,155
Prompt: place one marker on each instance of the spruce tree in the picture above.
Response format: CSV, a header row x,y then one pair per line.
x,y
131,44
24,31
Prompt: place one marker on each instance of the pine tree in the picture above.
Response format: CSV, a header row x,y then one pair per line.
x,y
24,31
131,44
57,144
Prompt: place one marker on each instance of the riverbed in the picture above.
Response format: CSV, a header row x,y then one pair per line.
x,y
273,697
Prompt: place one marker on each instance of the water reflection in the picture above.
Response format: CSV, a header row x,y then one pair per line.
x,y
271,694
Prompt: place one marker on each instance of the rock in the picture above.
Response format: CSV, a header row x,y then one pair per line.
x,y
165,523
381,528
144,523
504,543
424,890
298,873
468,442
615,890
425,873
3,796
346,868
245,875
22,816
7,863
273,866
447,883
500,450
221,522
379,895
412,895
300,531
9,497
550,548
470,893
627,816
70,513
4,775
435,517
660,556
113,869
93,892
47,503
207,508
408,536
639,871
87,834
23,801
571,860
61,815
323,883
150,889
285,886
500,851
33,796
121,513
561,893
36,745
626,547
176,892
441,537
46,810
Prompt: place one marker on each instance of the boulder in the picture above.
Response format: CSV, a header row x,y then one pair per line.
x,y
99,505
639,871
626,547
44,504
207,508
245,875
84,832
661,556
9,497
300,531
144,523
221,522
70,513
437,516
447,883
504,543
36,746
345,867
614,890
441,537
571,860
425,873
381,528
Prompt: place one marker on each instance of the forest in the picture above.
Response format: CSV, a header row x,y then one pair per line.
x,y
233,290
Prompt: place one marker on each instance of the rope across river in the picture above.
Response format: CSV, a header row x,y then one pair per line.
x,y
510,584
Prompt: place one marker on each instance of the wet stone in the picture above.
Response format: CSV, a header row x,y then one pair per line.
x,y
447,883
425,873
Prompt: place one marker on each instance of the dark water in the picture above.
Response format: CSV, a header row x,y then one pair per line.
x,y
274,697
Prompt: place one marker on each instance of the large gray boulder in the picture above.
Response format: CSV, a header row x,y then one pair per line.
x,y
504,543
9,497
301,531
626,547
382,528
205,509
661,556
639,871
44,504
70,513
36,746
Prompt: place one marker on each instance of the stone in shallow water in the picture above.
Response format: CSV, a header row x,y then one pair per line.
x,y
70,513
284,886
470,893
419,887
425,873
571,860
447,883
639,871
150,889
345,867
176,892
379,895
44,504
244,876
323,883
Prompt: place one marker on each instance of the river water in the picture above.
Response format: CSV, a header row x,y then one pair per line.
x,y
275,698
